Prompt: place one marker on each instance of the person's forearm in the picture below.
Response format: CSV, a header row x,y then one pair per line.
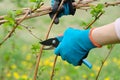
x,y
105,35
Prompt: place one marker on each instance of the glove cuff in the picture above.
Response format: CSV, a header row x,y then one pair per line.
x,y
92,40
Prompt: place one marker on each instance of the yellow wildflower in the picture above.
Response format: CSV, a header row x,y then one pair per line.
x,y
51,64
16,75
76,67
107,78
28,57
24,63
30,79
67,78
92,74
118,62
62,78
65,62
8,74
114,60
96,68
84,76
106,63
24,76
48,63
13,66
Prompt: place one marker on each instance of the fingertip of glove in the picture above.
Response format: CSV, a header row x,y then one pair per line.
x,y
56,21
57,51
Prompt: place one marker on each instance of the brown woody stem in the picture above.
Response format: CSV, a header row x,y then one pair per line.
x,y
53,68
43,10
100,14
104,62
13,30
41,49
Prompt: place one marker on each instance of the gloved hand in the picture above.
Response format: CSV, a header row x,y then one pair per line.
x,y
74,46
66,9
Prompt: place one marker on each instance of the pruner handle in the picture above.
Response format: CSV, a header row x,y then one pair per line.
x,y
87,63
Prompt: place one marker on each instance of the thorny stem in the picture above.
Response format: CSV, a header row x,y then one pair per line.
x,y
16,25
104,61
41,49
39,5
100,14
53,68
43,10
26,27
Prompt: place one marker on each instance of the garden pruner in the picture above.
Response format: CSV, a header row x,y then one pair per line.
x,y
54,42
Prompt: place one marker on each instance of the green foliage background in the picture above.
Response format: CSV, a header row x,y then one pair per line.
x,y
18,54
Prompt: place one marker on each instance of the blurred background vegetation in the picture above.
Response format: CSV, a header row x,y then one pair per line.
x,y
18,54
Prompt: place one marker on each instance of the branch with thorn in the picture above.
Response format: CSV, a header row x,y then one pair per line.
x,y
30,31
17,23
13,30
41,49
43,10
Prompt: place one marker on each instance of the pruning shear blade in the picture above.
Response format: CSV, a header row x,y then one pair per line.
x,y
50,43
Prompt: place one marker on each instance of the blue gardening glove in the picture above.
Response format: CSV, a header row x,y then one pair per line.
x,y
74,46
66,9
